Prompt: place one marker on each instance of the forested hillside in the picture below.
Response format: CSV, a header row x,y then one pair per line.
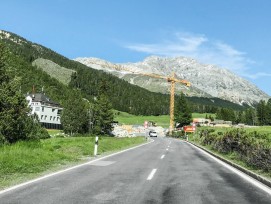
x,y
15,122
123,96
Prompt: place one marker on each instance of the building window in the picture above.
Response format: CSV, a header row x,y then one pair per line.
x,y
41,117
50,117
53,109
37,109
54,118
45,117
42,109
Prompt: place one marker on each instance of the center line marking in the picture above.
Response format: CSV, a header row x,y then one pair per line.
x,y
162,157
151,174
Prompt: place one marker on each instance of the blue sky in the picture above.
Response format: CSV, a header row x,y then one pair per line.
x,y
234,34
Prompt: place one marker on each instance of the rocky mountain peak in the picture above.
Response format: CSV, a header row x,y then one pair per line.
x,y
206,79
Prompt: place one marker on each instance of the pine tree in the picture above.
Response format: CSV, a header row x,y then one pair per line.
x,y
239,117
226,114
262,112
103,115
250,117
268,112
183,114
75,117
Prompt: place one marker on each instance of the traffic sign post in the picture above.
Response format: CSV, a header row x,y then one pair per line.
x,y
189,129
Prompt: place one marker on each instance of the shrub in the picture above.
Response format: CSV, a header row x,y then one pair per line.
x,y
251,148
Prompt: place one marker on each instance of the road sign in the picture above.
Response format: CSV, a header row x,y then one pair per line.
x,y
189,128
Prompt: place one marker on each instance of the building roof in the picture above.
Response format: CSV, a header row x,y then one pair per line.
x,y
40,97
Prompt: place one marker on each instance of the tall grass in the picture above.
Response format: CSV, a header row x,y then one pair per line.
x,y
53,132
24,160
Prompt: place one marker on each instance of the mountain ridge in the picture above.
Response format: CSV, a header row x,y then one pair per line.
x,y
207,80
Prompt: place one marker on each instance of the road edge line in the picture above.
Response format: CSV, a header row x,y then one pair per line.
x,y
68,169
241,171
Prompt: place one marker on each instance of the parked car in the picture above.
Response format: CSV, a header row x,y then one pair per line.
x,y
152,133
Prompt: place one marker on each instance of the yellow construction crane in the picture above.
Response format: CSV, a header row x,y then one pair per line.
x,y
171,79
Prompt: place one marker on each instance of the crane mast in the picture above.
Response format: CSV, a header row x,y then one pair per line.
x,y
171,103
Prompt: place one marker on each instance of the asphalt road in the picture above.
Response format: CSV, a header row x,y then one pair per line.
x,y
164,171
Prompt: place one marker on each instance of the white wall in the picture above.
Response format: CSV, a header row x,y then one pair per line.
x,y
46,113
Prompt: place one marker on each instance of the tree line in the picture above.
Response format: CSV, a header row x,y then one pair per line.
x,y
258,115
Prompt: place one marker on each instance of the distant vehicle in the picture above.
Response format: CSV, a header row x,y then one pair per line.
x,y
152,133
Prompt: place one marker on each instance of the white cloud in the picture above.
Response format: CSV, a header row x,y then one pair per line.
x,y
203,49
182,43
257,75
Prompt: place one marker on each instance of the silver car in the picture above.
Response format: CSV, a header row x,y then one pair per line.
x,y
152,133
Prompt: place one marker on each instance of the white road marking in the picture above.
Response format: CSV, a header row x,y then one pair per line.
x,y
240,173
151,174
68,169
162,157
168,146
167,149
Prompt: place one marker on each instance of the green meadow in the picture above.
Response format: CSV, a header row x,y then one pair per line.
x,y
25,160
162,120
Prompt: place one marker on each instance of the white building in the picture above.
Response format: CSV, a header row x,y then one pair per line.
x,y
47,110
202,121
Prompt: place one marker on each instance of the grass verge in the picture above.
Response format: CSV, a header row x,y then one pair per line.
x,y
231,156
27,160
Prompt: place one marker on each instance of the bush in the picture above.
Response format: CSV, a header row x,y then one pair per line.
x,y
178,134
251,148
